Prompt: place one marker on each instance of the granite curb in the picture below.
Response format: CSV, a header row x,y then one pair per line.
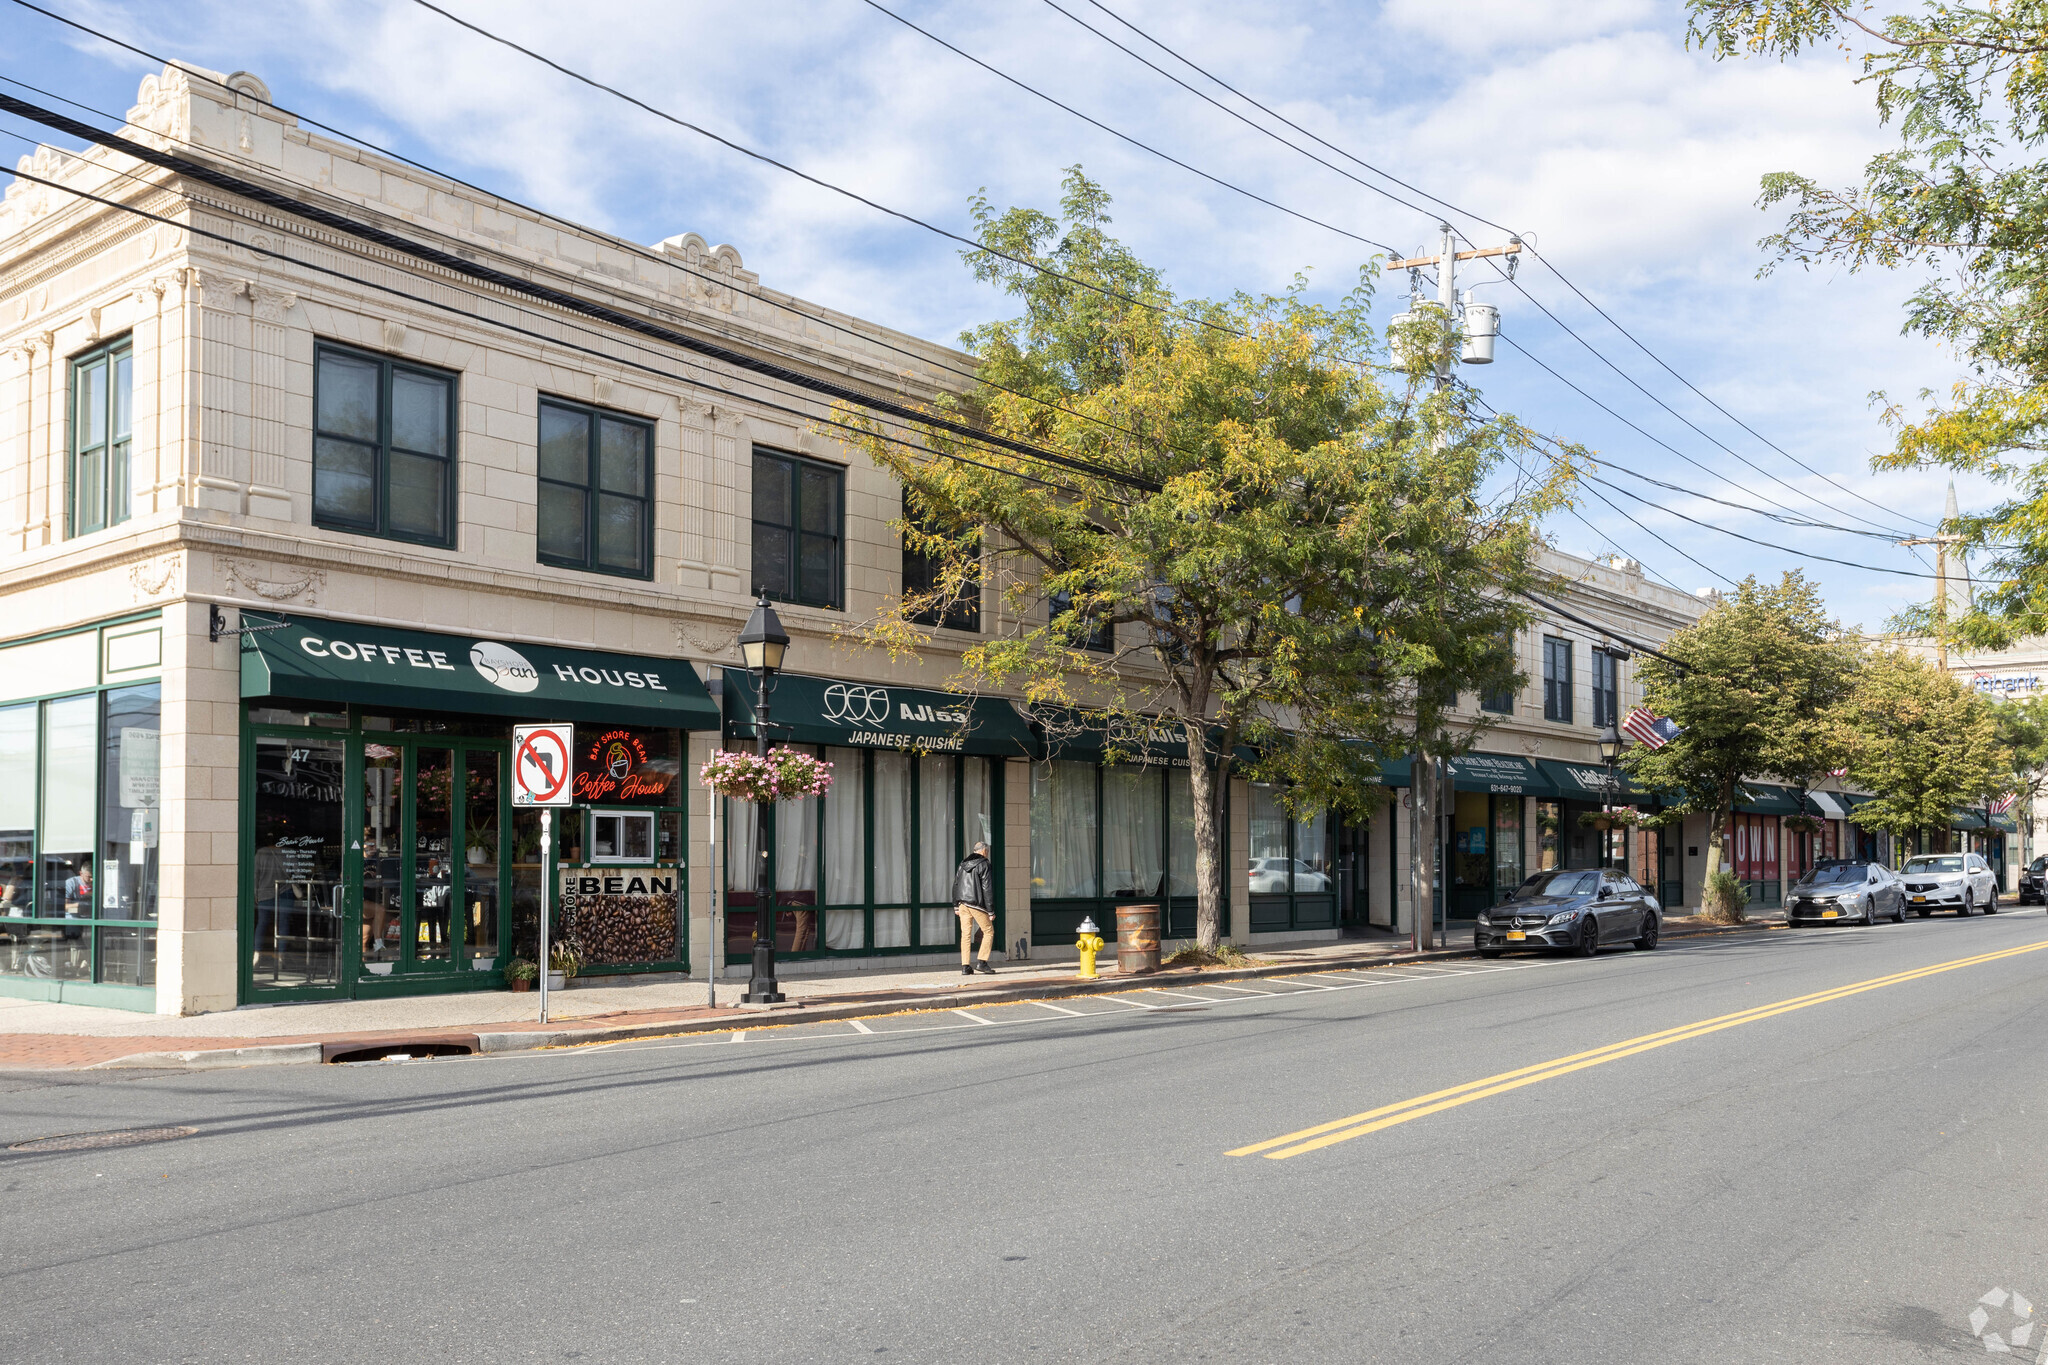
x,y
487,1040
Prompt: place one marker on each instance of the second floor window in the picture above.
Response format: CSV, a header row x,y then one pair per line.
x,y
102,407
596,482
1606,689
383,447
921,574
798,526
1557,678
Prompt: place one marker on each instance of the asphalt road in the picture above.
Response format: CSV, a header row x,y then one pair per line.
x,y
1712,1152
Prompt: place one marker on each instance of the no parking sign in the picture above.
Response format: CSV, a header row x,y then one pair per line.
x,y
541,765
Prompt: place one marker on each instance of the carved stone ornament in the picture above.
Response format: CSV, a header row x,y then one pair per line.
x,y
271,304
305,588
154,577
688,639
394,335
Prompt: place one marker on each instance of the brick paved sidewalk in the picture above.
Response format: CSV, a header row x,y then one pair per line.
x,y
252,1045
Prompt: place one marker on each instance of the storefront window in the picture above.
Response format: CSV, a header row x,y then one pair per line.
x,y
131,799
1549,845
935,833
892,848
846,857
1268,839
1062,830
1507,845
70,756
480,876
1132,817
1180,794
17,813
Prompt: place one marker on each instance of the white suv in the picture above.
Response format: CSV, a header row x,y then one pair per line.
x,y
1962,882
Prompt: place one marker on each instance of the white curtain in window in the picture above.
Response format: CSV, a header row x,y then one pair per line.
x,y
18,767
1181,863
845,929
936,852
796,841
739,845
1062,830
1131,828
892,848
845,849
976,801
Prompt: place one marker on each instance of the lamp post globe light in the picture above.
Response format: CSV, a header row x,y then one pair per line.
x,y
763,643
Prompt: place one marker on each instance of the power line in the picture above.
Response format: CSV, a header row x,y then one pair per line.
x,y
515,284
541,337
1466,213
634,248
806,176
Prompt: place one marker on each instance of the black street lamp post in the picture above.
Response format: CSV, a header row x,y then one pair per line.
x,y
1611,745
762,645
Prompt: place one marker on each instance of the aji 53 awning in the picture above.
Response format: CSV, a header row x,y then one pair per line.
x,y
808,710
335,661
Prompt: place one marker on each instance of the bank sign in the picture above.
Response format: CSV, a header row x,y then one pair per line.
x,y
379,665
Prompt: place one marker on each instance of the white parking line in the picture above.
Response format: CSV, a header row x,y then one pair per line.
x,y
1060,1009
859,1027
970,1014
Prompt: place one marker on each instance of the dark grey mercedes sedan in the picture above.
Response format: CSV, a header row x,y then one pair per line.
x,y
1581,911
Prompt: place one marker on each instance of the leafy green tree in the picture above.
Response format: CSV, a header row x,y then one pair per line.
x,y
1964,194
1758,689
2022,733
1327,560
1923,742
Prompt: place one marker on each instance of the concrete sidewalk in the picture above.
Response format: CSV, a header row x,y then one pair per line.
x,y
35,1035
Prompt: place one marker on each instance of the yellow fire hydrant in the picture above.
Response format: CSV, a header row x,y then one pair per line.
x,y
1090,943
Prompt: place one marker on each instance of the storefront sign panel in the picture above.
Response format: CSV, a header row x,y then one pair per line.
x,y
379,665
807,710
622,767
621,916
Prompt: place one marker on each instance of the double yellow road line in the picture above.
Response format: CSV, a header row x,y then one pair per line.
x,y
1387,1116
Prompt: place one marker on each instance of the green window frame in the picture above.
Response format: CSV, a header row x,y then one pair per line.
x,y
799,530
384,437
595,495
1557,679
102,430
1056,909
921,575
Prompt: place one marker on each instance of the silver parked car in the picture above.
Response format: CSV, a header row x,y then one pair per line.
x,y
1580,911
1849,891
1962,882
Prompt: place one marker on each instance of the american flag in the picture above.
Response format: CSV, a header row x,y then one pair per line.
x,y
2002,804
1650,729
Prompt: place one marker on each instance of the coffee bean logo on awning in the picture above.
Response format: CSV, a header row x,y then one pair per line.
x,y
504,667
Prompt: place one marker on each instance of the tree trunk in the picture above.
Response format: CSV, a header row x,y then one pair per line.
x,y
1206,785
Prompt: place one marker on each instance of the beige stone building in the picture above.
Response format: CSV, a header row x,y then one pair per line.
x,y
294,527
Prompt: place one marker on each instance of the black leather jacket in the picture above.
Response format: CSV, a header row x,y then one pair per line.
x,y
973,884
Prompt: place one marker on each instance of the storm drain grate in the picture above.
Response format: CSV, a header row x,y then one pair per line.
x,y
119,1137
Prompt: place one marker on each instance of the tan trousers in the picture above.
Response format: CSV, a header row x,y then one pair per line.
x,y
971,918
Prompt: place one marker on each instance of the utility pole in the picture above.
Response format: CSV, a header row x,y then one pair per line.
x,y
1941,542
1429,781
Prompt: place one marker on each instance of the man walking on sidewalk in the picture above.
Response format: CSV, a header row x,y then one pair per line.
x,y
974,901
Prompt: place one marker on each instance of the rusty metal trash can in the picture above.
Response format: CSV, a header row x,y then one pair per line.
x,y
1137,939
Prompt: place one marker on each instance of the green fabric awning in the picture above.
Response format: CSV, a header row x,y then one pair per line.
x,y
1591,781
808,710
335,661
1078,736
1766,798
1974,819
1507,774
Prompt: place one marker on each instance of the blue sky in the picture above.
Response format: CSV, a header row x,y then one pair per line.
x,y
1586,124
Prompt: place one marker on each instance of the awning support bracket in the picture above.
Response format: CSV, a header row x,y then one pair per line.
x,y
217,624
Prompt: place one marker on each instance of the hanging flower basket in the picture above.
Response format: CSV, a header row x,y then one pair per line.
x,y
1619,818
1802,824
780,775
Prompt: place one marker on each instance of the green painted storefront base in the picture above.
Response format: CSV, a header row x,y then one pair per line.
x,y
141,999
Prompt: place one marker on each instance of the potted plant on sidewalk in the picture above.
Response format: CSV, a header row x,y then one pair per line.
x,y
563,963
520,974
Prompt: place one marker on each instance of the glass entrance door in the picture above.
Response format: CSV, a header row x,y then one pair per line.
x,y
431,830
298,822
